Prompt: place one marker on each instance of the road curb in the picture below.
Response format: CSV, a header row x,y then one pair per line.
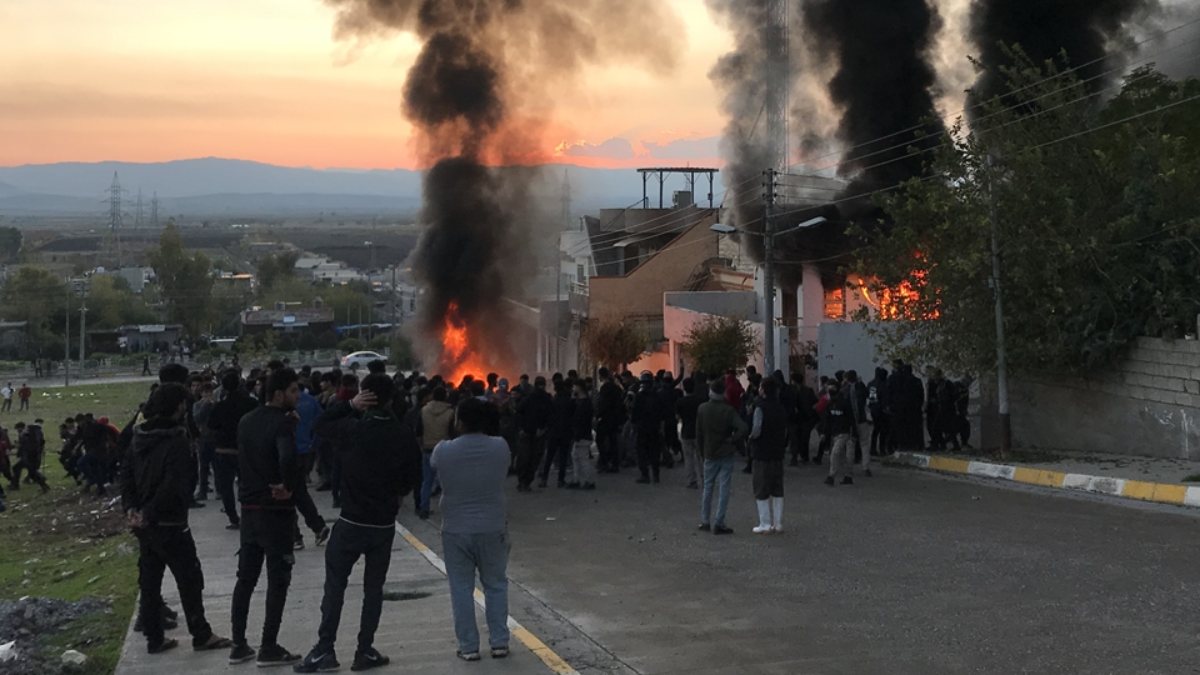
x,y
1162,493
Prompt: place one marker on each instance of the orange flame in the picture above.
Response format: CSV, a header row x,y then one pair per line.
x,y
459,357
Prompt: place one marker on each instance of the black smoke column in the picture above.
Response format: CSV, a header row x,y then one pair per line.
x,y
477,94
1094,34
883,84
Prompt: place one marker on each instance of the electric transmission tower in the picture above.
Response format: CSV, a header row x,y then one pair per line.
x,y
114,216
775,39
154,210
137,212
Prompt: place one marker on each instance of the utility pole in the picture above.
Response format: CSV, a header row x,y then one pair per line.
x,y
82,330
769,273
67,343
1001,350
154,210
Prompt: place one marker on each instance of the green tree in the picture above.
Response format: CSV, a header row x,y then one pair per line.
x,y
613,342
10,244
186,281
39,298
111,304
719,343
275,267
1097,218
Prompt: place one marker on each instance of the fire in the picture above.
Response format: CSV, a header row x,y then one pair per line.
x,y
459,357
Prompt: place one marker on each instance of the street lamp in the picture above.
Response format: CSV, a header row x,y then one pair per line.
x,y
769,278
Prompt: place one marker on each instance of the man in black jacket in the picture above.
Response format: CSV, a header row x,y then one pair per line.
x,y
223,423
686,409
381,462
610,415
156,493
268,476
648,422
534,414
558,439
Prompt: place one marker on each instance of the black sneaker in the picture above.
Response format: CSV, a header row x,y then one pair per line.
x,y
274,655
829,481
499,652
847,481
164,646
423,514
240,654
325,662
213,642
323,535
368,659
233,526
721,529
705,527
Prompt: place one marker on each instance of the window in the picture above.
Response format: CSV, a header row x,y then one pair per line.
x,y
835,303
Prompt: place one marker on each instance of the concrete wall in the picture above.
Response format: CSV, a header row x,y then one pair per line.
x,y
1148,406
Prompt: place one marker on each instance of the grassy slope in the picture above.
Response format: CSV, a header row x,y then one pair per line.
x,y
66,546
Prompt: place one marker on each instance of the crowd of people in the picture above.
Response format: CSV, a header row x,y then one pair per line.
x,y
258,441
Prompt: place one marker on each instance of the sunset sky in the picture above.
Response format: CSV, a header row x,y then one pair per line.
x,y
265,80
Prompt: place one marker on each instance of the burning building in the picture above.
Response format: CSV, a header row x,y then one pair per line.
x,y
486,76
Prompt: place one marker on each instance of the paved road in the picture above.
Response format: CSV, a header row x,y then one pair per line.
x,y
903,573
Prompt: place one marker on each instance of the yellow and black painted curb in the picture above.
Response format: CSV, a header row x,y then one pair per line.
x,y
1162,493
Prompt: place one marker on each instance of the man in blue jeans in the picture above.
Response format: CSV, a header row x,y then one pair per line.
x,y
472,469
719,428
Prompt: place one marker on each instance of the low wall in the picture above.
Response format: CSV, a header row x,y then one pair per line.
x,y
1149,405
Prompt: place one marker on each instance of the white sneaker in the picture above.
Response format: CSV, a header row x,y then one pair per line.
x,y
762,529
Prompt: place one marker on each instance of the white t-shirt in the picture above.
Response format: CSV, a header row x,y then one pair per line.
x,y
6,392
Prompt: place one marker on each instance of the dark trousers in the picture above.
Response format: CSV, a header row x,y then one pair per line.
x,y
557,451
33,468
347,544
649,451
306,507
208,457
608,443
161,548
93,469
265,536
225,468
529,455
881,434
799,435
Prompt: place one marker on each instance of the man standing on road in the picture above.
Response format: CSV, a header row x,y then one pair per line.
x,y
223,421
380,464
437,422
534,414
610,415
840,428
686,409
719,428
472,469
24,393
583,472
156,494
647,417
268,476
7,393
768,445
308,409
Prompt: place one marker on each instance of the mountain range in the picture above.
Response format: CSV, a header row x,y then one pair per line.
x,y
232,188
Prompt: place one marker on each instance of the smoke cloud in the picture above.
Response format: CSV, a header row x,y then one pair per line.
x,y
884,83
487,73
1095,35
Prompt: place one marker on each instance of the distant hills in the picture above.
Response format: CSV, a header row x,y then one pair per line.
x,y
238,188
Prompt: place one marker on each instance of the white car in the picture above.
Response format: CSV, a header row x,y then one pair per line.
x,y
361,359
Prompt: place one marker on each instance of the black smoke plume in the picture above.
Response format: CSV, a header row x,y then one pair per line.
x,y
1095,36
487,75
870,60
884,85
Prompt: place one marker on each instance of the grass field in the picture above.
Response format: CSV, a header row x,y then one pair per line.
x,y
68,546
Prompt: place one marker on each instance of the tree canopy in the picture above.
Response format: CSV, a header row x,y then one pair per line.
x,y
719,343
612,342
186,281
1097,217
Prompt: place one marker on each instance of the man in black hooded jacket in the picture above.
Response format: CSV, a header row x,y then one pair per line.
x,y
156,493
381,462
